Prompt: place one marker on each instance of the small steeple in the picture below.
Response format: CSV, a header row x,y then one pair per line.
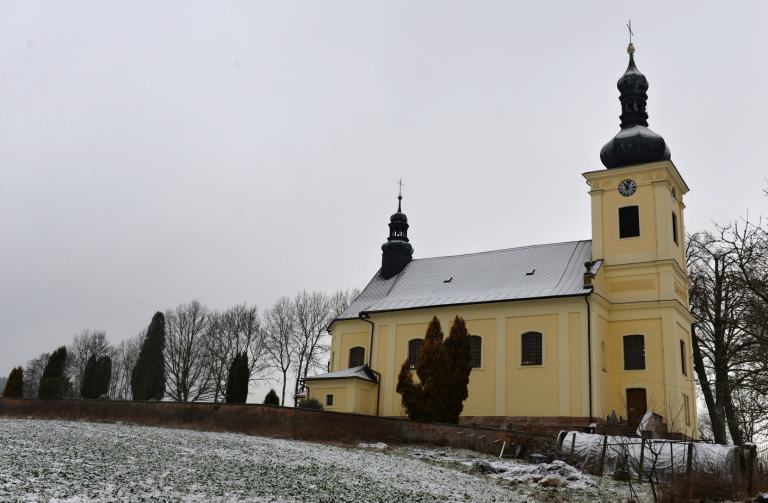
x,y
397,251
635,143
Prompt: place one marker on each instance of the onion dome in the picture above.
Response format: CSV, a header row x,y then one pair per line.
x,y
635,143
397,251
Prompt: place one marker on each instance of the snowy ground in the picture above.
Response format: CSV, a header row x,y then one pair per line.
x,y
86,462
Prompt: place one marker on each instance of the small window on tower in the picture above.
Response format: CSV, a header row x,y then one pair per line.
x,y
674,228
629,222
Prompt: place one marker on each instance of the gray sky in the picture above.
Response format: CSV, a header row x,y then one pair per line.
x,y
154,153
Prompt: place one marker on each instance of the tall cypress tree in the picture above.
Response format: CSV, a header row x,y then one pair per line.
x,y
427,400
54,383
101,376
237,380
459,348
148,376
14,386
86,388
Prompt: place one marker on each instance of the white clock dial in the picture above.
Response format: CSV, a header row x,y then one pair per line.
x,y
627,188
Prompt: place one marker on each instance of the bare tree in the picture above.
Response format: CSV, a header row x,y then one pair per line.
x,y
341,300
186,355
279,324
86,343
236,330
311,316
313,313
729,298
124,357
33,372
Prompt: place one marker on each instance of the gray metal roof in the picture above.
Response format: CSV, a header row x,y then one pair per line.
x,y
492,276
361,372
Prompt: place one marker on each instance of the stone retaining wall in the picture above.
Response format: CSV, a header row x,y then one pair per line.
x,y
277,422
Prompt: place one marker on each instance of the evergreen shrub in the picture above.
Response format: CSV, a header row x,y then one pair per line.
x,y
272,398
14,385
311,403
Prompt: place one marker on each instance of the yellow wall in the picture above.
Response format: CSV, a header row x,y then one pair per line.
x,y
532,390
640,289
319,390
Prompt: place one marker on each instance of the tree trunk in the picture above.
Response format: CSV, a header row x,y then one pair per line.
x,y
718,426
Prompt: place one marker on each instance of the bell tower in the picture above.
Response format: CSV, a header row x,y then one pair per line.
x,y
639,302
397,251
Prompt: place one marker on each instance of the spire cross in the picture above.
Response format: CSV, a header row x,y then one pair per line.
x,y
400,183
629,27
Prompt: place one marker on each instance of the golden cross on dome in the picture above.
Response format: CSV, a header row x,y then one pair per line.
x,y
400,183
629,26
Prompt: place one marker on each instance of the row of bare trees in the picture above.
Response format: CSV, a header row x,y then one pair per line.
x,y
729,298
285,343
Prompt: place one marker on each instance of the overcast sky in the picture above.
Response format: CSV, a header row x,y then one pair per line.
x,y
152,153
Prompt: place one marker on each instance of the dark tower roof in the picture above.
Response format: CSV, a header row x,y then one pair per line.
x,y
635,143
397,251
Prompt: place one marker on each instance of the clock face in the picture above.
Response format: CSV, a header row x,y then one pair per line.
x,y
627,188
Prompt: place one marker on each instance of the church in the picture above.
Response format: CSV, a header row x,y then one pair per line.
x,y
562,334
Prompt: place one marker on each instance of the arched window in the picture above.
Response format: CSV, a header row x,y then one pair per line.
x,y
475,351
634,352
414,347
532,348
356,357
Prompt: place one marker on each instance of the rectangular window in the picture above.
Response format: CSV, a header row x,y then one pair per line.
x,y
532,349
475,351
414,347
682,357
356,357
687,409
674,228
629,222
634,352
329,400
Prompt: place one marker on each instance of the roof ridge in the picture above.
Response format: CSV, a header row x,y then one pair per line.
x,y
504,249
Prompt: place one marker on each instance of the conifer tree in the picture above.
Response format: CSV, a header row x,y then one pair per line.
x,y
54,383
434,371
14,386
86,388
427,400
272,398
459,348
148,375
101,376
237,380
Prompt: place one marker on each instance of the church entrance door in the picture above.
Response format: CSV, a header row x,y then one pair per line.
x,y
637,406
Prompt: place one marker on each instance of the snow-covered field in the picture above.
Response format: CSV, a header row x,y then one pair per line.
x,y
78,462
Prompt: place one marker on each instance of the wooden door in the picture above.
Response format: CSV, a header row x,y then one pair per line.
x,y
637,406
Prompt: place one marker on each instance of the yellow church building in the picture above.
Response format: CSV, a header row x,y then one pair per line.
x,y
562,334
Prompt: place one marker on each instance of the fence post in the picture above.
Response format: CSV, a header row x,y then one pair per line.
x,y
689,461
642,460
672,460
573,446
750,455
602,456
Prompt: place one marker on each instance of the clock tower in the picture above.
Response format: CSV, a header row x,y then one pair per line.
x,y
640,302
